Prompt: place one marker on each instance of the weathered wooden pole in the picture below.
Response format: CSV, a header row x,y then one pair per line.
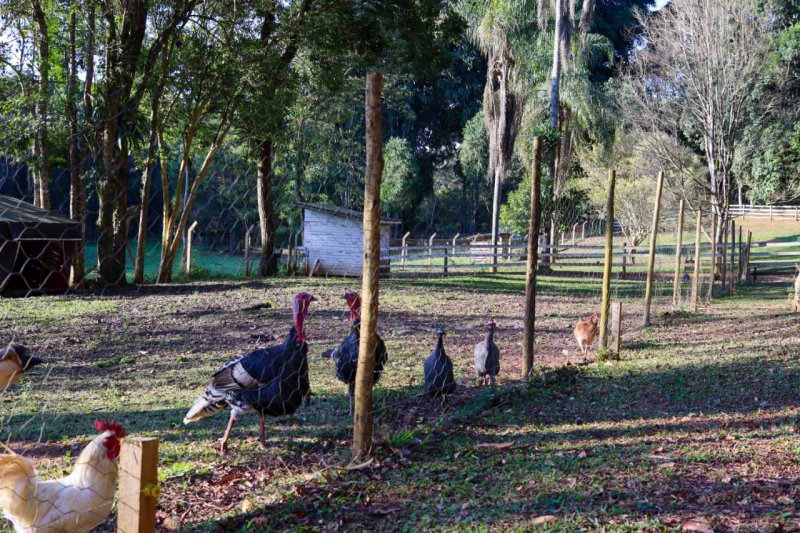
x,y
724,266
189,236
532,260
733,249
651,259
676,282
714,222
696,278
138,492
362,422
741,253
747,256
609,257
616,327
404,251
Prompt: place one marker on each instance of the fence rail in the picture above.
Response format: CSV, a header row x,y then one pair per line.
x,y
770,212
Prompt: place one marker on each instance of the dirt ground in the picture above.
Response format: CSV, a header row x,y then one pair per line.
x,y
696,423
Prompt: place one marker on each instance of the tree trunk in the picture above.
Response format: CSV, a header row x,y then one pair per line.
x,y
147,176
532,259
362,423
75,182
268,265
42,193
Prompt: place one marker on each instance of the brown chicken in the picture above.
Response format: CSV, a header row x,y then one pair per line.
x,y
585,332
79,502
15,361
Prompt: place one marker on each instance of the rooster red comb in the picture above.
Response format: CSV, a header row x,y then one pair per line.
x,y
113,427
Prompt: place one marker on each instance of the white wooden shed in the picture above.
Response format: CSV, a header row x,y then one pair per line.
x,y
333,240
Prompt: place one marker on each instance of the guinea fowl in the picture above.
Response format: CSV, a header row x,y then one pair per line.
x,y
487,356
15,361
272,381
439,380
345,356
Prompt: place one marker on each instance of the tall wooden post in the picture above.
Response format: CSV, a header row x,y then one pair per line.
x,y
714,263
189,236
696,278
138,492
741,253
733,249
651,259
724,266
747,256
532,260
616,327
362,423
676,282
609,257
404,251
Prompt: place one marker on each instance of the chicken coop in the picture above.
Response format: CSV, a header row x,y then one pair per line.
x,y
333,240
36,249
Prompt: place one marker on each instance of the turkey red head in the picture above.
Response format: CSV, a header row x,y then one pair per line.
x,y
354,303
300,305
593,318
112,442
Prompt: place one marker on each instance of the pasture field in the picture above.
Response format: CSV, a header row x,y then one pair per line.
x,y
697,421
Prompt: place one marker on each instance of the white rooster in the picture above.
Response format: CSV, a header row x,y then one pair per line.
x,y
76,503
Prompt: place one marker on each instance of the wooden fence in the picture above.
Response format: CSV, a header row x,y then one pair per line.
x,y
769,212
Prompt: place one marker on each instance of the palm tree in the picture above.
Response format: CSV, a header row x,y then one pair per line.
x,y
499,29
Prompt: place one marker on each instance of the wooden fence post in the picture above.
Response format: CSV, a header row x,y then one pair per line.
x,y
714,222
616,327
676,283
651,259
247,245
532,260
138,492
189,236
741,253
733,248
609,258
404,251
362,421
747,256
724,269
445,260
624,273
696,278
430,250
583,231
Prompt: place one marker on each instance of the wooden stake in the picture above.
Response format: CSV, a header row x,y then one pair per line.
x,y
189,236
733,249
724,266
362,422
138,486
534,225
624,273
609,257
651,259
747,276
714,222
676,283
616,327
741,253
696,278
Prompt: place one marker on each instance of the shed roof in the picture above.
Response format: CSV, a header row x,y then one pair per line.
x,y
20,220
343,212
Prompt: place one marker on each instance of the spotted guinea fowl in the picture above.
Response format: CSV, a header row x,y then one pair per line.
x,y
272,381
345,356
438,369
14,362
487,356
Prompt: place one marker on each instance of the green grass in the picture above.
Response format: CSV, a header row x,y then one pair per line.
x,y
698,415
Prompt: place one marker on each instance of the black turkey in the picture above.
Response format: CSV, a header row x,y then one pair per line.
x,y
345,356
487,357
272,381
439,380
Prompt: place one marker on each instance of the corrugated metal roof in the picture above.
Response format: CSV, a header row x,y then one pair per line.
x,y
20,220
343,212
